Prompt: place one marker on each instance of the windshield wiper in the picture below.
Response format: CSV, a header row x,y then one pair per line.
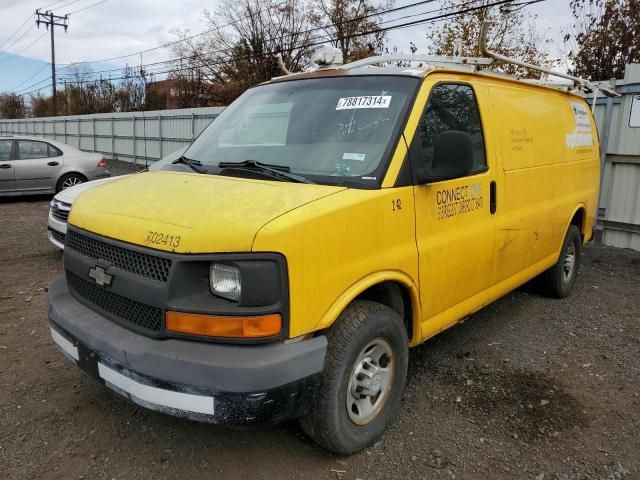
x,y
195,165
277,171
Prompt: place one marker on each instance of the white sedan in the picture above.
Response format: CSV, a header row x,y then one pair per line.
x,y
60,206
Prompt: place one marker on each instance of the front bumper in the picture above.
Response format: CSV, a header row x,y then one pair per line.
x,y
56,231
213,383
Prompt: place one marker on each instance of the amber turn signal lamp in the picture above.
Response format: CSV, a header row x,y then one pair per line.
x,y
223,326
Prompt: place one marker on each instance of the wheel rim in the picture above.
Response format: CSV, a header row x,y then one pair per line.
x,y
569,262
70,182
370,381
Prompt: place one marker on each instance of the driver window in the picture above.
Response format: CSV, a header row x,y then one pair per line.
x,y
451,107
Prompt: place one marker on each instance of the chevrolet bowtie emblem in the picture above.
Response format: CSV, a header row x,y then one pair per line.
x,y
100,275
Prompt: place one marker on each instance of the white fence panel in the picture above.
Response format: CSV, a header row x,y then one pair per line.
x,y
131,136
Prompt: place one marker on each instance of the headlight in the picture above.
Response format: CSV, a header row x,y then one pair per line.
x,y
224,281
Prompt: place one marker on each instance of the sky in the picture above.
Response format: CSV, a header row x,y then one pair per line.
x,y
110,28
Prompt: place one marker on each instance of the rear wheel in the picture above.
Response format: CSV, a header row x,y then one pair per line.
x,y
69,180
364,374
559,280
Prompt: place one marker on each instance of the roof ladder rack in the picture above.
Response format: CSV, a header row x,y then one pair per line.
x,y
577,81
472,63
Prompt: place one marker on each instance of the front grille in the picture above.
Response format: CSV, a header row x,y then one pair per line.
x,y
59,214
125,309
57,236
138,263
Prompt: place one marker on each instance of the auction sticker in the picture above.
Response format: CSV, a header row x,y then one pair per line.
x,y
374,101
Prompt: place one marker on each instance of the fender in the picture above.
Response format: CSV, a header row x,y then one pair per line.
x,y
583,229
332,314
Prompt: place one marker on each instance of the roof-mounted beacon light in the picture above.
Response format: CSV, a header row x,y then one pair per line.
x,y
327,56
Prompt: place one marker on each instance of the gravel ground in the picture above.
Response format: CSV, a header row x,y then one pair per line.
x,y
528,388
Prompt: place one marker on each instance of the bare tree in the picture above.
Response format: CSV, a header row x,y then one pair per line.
x,y
243,37
513,34
41,105
604,37
130,95
352,26
12,106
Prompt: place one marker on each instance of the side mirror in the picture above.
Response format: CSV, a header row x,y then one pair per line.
x,y
452,157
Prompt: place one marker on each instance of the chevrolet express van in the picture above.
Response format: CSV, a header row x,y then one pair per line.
x,y
325,223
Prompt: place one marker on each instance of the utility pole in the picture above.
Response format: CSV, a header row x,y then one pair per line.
x,y
50,20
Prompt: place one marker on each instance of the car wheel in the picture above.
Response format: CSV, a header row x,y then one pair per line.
x,y
69,180
363,378
559,280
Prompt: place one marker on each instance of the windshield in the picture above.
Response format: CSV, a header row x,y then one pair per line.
x,y
164,162
327,130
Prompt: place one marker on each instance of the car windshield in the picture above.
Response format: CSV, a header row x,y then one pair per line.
x,y
165,162
326,129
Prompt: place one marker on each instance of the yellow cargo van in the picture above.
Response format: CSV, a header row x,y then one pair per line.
x,y
321,226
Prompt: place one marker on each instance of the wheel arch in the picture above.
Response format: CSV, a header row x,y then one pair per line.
x,y
394,289
70,171
579,219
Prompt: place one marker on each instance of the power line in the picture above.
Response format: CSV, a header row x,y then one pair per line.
x,y
51,21
17,40
32,76
203,64
51,4
164,45
16,32
67,4
25,48
520,6
321,27
318,40
86,8
403,25
393,27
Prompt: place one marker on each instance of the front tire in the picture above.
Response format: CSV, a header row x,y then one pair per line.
x,y
364,374
558,281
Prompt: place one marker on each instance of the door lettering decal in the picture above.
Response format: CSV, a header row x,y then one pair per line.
x,y
459,200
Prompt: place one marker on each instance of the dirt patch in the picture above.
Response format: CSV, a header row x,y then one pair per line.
x,y
534,407
474,406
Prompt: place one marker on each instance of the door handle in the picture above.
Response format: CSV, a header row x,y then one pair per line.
x,y
53,164
5,165
492,198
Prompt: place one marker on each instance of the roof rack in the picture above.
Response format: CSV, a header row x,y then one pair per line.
x,y
472,63
578,83
479,63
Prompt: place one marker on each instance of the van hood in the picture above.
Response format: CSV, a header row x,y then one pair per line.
x,y
189,213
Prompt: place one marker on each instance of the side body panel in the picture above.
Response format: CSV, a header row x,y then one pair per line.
x,y
455,230
36,173
549,148
338,246
542,153
7,166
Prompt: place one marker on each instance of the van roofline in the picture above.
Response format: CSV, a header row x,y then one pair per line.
x,y
423,72
475,65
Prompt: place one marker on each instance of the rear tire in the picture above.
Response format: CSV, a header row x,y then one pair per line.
x,y
558,281
69,180
364,374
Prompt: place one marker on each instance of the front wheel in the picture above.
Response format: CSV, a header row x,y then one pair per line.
x,y
364,374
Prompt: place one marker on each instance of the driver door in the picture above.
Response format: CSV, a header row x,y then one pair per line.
x,y
7,170
455,227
